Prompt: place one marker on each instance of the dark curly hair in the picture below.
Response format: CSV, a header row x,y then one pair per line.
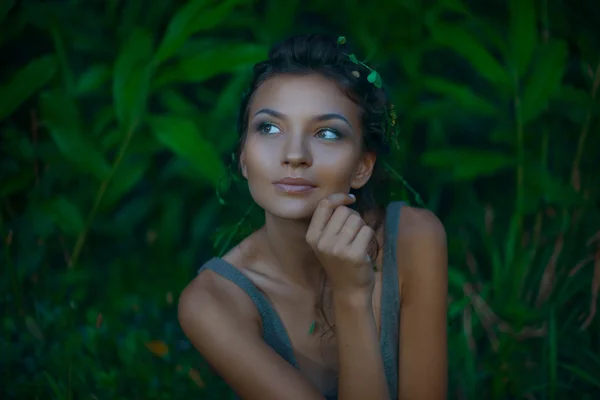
x,y
322,54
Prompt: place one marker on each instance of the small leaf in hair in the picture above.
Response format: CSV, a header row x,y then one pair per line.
x,y
375,79
356,74
353,58
341,40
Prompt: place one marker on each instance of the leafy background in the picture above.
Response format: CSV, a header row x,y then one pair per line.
x,y
117,121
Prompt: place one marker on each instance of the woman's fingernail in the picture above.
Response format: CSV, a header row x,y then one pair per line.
x,y
351,195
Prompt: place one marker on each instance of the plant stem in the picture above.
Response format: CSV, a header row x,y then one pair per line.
x,y
100,194
418,198
235,230
520,158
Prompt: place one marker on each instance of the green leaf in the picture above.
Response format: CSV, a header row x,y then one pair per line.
x,y
341,40
215,61
67,75
462,42
456,307
468,164
461,95
353,58
182,137
375,79
24,83
189,19
577,97
582,375
93,78
503,134
227,102
132,77
212,17
179,29
175,102
456,279
575,103
102,119
522,33
56,389
545,79
124,181
171,219
223,130
542,185
437,11
60,115
65,215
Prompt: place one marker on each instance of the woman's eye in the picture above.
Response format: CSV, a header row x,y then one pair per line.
x,y
328,134
268,129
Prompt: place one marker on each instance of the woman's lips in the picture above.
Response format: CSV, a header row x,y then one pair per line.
x,y
294,185
288,188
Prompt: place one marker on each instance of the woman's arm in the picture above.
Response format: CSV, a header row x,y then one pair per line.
x,y
340,239
423,270
361,374
223,326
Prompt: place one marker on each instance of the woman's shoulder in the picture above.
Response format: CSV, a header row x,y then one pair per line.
x,y
414,222
421,239
212,289
217,287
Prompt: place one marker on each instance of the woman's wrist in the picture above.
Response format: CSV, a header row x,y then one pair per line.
x,y
352,301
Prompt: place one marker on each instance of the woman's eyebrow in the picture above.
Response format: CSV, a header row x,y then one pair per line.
x,y
322,117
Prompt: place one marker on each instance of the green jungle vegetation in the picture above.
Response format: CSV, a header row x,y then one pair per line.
x,y
118,123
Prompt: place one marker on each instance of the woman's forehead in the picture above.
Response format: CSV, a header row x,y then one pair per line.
x,y
294,94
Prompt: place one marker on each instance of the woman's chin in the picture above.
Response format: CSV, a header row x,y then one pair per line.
x,y
290,209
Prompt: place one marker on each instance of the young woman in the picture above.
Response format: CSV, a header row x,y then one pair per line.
x,y
336,296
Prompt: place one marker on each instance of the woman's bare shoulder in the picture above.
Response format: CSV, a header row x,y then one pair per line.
x,y
223,324
415,222
422,242
210,291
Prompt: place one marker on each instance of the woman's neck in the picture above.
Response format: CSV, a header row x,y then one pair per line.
x,y
290,253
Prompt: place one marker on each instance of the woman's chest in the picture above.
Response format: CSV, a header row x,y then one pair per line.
x,y
308,320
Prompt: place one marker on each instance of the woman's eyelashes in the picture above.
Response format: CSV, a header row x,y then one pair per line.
x,y
268,128
328,134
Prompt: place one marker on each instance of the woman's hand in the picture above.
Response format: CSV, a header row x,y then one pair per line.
x,y
340,239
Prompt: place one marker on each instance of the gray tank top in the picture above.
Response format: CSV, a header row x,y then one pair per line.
x,y
275,335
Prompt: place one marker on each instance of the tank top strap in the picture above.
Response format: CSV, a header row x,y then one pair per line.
x,y
390,299
274,333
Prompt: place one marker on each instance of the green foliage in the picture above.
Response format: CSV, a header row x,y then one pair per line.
x,y
117,120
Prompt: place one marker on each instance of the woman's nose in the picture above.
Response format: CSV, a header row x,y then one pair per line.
x,y
296,151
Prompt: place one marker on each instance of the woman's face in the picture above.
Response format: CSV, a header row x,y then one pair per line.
x,y
305,129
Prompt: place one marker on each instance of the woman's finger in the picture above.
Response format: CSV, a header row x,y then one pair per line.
x,y
361,241
323,213
350,229
336,222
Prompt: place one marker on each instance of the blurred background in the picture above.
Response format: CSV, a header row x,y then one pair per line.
x,y
117,123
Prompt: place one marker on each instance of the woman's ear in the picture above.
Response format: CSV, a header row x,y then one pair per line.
x,y
364,170
242,164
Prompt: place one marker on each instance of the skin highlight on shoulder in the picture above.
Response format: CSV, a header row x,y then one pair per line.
x,y
210,293
420,232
